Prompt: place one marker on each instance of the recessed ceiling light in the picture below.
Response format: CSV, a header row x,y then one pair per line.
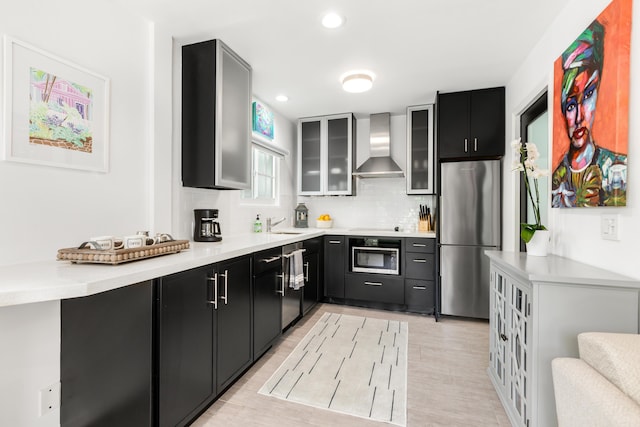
x,y
282,98
332,20
357,81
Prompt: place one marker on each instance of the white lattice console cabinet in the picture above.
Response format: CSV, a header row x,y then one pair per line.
x,y
538,307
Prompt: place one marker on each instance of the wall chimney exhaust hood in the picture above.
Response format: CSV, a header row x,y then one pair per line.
x,y
379,164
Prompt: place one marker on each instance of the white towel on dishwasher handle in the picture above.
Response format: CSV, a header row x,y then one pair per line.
x,y
296,273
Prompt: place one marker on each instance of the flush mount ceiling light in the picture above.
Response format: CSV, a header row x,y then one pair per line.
x,y
332,20
282,98
357,81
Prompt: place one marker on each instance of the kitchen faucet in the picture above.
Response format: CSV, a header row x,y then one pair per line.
x,y
273,224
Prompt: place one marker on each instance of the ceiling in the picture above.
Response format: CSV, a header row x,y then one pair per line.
x,y
415,47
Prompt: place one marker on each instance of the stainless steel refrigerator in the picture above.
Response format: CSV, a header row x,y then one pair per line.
x,y
470,220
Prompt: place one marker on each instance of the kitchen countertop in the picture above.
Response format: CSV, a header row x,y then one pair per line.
x,y
556,269
55,280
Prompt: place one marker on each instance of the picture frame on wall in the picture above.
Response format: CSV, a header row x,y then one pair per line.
x,y
56,112
262,120
591,113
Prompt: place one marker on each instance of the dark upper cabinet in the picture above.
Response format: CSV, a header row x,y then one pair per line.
x,y
326,156
420,150
216,117
471,124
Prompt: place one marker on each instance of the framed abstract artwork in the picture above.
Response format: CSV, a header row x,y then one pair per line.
x,y
57,113
591,113
262,120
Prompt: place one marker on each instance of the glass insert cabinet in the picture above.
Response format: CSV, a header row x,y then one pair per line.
x,y
420,150
538,306
325,155
509,341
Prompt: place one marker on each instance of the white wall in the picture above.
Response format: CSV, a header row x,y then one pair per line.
x,y
47,208
576,232
29,362
379,202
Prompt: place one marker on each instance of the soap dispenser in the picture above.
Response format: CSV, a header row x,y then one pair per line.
x,y
257,225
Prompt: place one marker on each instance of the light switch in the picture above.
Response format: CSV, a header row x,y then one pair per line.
x,y
610,227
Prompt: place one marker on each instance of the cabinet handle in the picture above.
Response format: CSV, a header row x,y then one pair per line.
x,y
475,144
281,277
373,283
420,288
268,260
504,337
226,280
335,242
420,260
306,271
214,279
419,245
466,145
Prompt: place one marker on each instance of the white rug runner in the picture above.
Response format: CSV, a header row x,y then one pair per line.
x,y
349,364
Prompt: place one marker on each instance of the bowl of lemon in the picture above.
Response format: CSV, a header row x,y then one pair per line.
x,y
324,221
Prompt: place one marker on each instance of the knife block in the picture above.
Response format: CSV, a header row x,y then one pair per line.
x,y
424,225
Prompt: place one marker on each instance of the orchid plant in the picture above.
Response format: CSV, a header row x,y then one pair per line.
x,y
525,156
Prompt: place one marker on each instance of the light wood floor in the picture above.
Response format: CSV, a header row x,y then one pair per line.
x,y
447,383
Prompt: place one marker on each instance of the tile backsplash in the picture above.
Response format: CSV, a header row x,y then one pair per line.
x,y
380,203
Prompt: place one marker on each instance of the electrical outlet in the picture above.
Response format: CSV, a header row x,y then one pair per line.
x,y
610,227
49,399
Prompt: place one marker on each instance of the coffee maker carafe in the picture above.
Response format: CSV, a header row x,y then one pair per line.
x,y
205,227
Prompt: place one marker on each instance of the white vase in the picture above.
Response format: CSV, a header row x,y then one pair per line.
x,y
539,243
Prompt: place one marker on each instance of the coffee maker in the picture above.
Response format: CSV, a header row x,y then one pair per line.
x,y
205,227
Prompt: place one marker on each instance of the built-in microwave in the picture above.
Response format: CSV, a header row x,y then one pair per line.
x,y
378,256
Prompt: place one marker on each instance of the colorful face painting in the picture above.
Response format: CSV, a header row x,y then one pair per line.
x,y
591,124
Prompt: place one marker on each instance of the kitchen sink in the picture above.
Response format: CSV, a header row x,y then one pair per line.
x,y
286,232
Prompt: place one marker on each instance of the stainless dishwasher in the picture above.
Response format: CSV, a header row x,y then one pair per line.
x,y
291,299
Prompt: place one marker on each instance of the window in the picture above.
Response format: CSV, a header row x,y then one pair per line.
x,y
265,177
534,127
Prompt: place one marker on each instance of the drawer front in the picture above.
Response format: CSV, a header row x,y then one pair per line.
x,y
374,287
312,245
420,295
415,244
419,266
267,260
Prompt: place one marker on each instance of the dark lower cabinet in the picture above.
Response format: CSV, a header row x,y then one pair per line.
x,y
204,336
334,266
233,325
420,266
380,288
311,265
267,299
186,356
419,295
106,358
420,275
